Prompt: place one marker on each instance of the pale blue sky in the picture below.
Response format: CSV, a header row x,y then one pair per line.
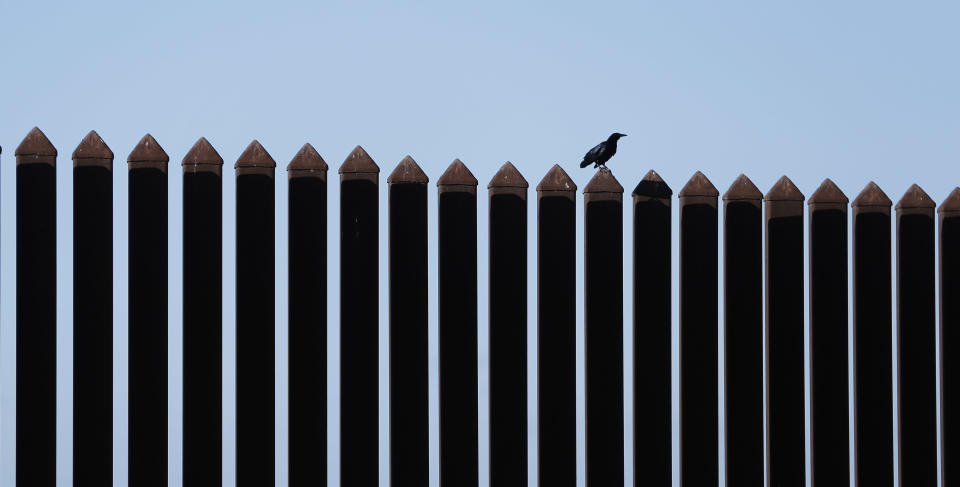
x,y
851,90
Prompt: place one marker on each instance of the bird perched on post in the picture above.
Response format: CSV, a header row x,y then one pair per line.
x,y
599,155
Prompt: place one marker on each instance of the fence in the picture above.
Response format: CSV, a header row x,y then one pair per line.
x,y
762,296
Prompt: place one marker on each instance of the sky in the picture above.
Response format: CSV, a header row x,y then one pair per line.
x,y
854,91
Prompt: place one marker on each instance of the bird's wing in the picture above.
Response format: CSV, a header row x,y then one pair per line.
x,y
594,153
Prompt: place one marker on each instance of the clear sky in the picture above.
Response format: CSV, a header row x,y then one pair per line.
x,y
854,91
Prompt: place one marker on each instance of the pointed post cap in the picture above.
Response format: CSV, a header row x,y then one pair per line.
x,y
36,148
699,186
359,162
653,186
307,159
255,159
871,195
508,177
742,189
915,197
92,151
952,203
603,182
407,172
557,179
828,194
202,157
783,190
457,178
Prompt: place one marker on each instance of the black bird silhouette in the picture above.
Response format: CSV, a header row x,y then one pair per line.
x,y
599,155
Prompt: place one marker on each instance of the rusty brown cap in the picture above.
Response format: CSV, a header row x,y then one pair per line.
x,y
457,174
828,193
699,185
556,179
508,177
915,197
407,172
93,151
871,195
201,154
359,162
742,189
36,148
951,203
783,190
603,182
148,150
255,156
307,159
652,185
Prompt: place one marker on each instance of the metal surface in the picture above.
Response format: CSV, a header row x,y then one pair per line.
x,y
743,333
508,327
603,323
783,232
652,421
948,215
202,157
409,317
93,313
307,163
829,390
457,285
36,386
255,160
872,345
556,330
698,334
916,339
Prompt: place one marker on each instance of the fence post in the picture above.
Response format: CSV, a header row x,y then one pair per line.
x,y
829,394
307,313
255,316
359,320
949,227
409,375
916,339
93,312
653,436
457,252
786,464
202,309
603,271
508,327
698,333
147,310
743,333
36,311
556,330
872,346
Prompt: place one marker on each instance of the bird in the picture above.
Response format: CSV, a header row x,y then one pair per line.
x,y
599,155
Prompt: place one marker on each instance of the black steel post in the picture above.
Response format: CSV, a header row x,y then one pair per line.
x,y
508,327
307,314
409,401
36,311
652,415
743,333
92,312
786,451
603,271
699,422
359,320
872,345
949,236
556,330
916,339
255,316
457,282
829,386
147,309
202,310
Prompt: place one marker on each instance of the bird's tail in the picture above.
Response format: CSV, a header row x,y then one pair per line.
x,y
585,163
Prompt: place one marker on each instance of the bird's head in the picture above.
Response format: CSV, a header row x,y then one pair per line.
x,y
615,136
